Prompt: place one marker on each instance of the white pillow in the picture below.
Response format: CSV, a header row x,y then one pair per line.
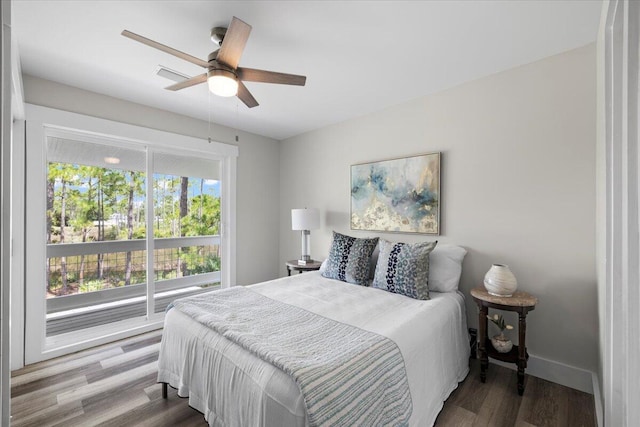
x,y
323,266
445,268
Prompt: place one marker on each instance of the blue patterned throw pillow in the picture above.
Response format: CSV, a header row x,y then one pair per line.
x,y
349,259
403,268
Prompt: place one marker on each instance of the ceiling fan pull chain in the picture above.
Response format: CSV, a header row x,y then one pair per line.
x,y
237,115
209,115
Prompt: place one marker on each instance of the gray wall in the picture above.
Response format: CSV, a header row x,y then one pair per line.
x,y
258,164
518,173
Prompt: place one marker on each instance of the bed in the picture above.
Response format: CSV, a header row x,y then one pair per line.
x,y
232,386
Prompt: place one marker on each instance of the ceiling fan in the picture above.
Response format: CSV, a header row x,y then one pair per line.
x,y
223,74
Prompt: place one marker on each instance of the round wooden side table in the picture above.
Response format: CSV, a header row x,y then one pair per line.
x,y
521,303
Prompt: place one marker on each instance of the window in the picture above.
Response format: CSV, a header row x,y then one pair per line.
x,y
95,234
129,225
186,226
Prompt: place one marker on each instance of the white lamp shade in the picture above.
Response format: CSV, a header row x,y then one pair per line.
x,y
305,219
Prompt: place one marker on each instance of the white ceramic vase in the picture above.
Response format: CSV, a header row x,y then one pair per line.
x,y
500,281
501,343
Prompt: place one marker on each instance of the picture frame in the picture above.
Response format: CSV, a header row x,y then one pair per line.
x,y
397,195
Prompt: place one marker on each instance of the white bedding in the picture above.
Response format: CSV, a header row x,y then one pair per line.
x,y
232,387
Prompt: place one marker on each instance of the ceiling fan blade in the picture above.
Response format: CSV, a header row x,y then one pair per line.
x,y
234,42
245,96
188,83
166,49
263,76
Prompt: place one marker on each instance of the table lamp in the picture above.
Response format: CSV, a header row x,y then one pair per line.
x,y
305,220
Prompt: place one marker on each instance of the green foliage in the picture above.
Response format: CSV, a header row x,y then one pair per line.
x,y
205,219
162,232
108,204
111,234
91,286
139,232
196,264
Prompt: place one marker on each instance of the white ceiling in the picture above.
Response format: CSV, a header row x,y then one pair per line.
x,y
358,56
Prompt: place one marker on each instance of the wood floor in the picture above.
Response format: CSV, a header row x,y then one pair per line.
x,y
496,403
115,385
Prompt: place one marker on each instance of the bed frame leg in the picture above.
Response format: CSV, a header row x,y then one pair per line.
x,y
164,390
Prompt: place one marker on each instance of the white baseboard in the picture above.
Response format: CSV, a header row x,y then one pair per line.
x,y
597,397
570,376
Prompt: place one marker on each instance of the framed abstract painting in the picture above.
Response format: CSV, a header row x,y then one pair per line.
x,y
398,195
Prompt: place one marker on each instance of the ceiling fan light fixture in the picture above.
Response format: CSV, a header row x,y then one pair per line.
x,y
222,82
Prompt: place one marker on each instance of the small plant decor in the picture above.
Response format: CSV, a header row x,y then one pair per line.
x,y
498,320
501,343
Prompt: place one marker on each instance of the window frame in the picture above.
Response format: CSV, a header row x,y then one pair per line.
x,y
46,122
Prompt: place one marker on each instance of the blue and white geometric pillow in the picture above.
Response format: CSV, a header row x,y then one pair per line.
x,y
403,268
349,259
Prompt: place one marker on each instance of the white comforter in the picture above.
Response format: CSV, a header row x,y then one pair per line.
x,y
234,388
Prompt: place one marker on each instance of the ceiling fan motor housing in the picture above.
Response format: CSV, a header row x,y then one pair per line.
x,y
217,35
217,69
